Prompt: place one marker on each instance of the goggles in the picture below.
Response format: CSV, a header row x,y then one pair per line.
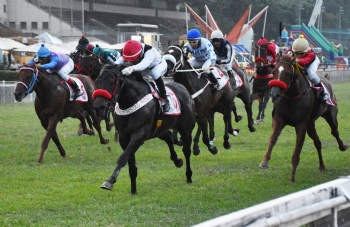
x,y
215,40
193,41
300,53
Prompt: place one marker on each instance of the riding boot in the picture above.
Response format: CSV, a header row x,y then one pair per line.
x,y
232,75
162,93
323,93
76,90
214,81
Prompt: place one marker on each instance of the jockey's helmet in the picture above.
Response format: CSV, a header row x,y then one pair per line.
x,y
90,47
300,45
261,41
132,50
83,41
193,34
217,34
98,51
43,52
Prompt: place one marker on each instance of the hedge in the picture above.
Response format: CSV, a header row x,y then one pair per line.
x,y
8,75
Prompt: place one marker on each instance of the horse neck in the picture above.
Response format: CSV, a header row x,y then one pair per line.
x,y
189,79
264,70
132,91
45,85
298,86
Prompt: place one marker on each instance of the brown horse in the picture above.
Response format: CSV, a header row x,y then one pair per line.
x,y
204,97
52,103
296,104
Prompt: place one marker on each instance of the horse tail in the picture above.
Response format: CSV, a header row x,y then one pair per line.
x,y
254,97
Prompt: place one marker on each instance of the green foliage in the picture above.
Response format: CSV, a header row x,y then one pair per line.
x,y
8,75
66,191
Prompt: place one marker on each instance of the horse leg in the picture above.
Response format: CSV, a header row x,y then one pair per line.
x,y
196,149
203,126
50,127
311,131
331,118
227,118
264,104
128,150
167,137
58,144
211,127
132,172
277,129
186,149
238,118
301,133
175,139
248,108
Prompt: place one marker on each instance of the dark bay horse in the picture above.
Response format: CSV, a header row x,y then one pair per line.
x,y
204,97
261,89
298,105
52,103
139,118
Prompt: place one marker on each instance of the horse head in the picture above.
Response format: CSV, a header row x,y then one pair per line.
x,y
284,77
89,66
174,58
27,77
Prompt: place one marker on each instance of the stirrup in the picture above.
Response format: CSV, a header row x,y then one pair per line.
x,y
77,94
166,107
324,96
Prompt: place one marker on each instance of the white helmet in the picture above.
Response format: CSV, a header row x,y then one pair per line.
x,y
217,34
300,45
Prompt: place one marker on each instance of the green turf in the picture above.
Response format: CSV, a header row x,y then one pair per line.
x,y
66,192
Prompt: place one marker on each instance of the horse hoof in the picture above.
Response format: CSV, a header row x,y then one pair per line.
x,y
239,118
252,129
344,147
179,163
105,141
264,165
227,145
107,185
256,122
80,132
262,120
213,150
178,142
196,151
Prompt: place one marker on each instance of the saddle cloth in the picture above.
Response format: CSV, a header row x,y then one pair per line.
x,y
239,81
82,98
329,101
223,80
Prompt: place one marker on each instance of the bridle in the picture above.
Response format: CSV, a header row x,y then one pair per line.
x,y
178,64
33,81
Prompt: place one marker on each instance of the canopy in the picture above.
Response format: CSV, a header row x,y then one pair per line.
x,y
9,44
35,47
49,38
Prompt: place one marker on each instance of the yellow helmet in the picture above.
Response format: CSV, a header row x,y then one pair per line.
x,y
300,45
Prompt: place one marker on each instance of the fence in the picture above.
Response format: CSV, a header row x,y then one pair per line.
x,y
7,89
323,205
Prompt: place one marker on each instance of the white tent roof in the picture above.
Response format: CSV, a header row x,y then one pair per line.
x,y
9,44
49,38
102,44
35,47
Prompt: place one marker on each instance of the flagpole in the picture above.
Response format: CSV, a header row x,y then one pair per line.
x,y
264,24
186,18
206,19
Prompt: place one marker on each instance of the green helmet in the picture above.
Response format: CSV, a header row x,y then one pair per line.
x,y
98,51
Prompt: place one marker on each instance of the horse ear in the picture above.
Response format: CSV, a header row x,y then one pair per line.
x,y
278,58
169,43
182,44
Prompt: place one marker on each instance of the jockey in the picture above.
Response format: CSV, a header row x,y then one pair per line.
x,y
272,51
203,53
56,62
85,47
307,58
147,60
223,50
106,56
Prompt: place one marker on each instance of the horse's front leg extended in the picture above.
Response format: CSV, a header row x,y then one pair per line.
x,y
301,133
129,148
277,129
50,127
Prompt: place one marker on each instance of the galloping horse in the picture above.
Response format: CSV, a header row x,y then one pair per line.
x,y
204,97
138,118
261,89
296,104
52,103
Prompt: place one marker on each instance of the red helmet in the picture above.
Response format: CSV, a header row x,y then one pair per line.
x,y
262,41
132,50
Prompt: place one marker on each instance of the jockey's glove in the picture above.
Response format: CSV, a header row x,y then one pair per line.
x,y
128,70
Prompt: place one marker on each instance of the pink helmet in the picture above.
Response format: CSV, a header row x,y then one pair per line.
x,y
132,50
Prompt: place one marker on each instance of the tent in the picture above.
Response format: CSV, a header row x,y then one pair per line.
x,y
47,38
9,44
35,47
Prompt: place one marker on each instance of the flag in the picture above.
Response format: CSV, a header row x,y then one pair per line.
x,y
233,35
204,25
211,20
252,22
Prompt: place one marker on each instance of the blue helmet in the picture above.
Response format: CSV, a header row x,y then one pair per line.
x,y
193,34
43,52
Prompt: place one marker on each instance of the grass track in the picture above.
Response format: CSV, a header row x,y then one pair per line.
x,y
66,192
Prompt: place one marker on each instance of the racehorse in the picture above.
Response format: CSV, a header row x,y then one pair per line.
x,y
204,97
52,103
261,89
296,104
138,118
